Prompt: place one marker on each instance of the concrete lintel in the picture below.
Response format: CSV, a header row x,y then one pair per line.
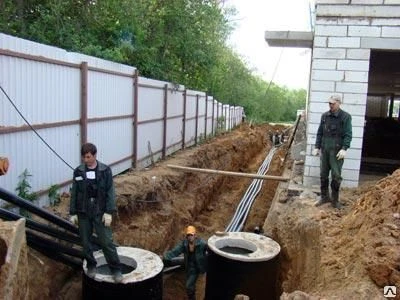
x,y
358,11
293,39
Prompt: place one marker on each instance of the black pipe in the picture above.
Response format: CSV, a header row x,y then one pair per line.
x,y
69,261
10,216
16,200
51,245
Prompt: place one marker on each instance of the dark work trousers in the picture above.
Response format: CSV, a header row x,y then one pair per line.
x,y
104,234
329,163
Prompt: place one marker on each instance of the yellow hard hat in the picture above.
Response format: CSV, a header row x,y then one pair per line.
x,y
190,230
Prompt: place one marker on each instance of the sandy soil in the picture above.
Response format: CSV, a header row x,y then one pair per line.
x,y
326,253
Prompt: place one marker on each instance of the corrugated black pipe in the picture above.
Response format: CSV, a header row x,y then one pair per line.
x,y
48,244
65,236
29,206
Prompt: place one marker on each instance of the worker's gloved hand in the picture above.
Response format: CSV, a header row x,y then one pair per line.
x,y
341,154
74,219
107,219
315,152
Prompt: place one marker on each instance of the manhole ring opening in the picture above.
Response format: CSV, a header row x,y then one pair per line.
x,y
235,246
128,265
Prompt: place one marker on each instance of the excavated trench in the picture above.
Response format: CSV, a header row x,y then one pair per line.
x,y
155,204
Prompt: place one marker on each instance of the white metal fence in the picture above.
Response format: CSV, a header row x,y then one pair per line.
x,y
70,98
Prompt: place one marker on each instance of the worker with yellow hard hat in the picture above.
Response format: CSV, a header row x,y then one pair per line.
x,y
194,250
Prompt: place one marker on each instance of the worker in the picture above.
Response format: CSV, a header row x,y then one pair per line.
x,y
194,250
91,207
333,139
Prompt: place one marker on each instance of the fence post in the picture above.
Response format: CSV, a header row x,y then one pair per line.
x,y
135,116
84,101
197,118
205,118
212,117
184,118
164,144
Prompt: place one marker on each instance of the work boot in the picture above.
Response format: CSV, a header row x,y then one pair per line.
x,y
117,276
335,195
324,193
91,271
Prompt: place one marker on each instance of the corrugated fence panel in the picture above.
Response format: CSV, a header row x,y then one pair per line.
x,y
45,84
114,142
174,123
150,136
109,95
26,151
42,92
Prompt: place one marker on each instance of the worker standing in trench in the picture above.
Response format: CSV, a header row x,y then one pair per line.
x,y
91,207
333,139
194,250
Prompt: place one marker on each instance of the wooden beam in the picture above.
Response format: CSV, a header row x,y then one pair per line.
x,y
228,173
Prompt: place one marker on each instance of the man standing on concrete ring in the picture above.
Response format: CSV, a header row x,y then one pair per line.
x,y
333,139
91,207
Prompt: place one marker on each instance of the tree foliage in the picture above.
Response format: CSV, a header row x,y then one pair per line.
x,y
182,41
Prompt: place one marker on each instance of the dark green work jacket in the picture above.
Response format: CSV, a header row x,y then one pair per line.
x,y
200,249
334,131
105,199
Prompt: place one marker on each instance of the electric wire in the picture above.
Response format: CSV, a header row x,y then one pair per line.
x,y
33,129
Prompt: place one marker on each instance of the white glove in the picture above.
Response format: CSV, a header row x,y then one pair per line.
x,y
315,152
341,154
74,219
107,219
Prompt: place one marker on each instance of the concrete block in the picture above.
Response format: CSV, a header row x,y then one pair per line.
x,y
356,76
380,43
314,118
367,2
358,53
353,153
310,181
369,31
388,2
349,175
332,2
385,21
348,87
324,64
351,164
326,21
330,30
356,143
358,11
358,121
354,110
313,128
391,31
325,75
353,65
319,97
318,85
321,41
344,42
329,53
355,99
358,132
314,171
354,21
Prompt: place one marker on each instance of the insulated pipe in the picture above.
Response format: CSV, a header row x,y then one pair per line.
x,y
242,263
142,276
245,204
10,216
18,201
67,260
51,245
